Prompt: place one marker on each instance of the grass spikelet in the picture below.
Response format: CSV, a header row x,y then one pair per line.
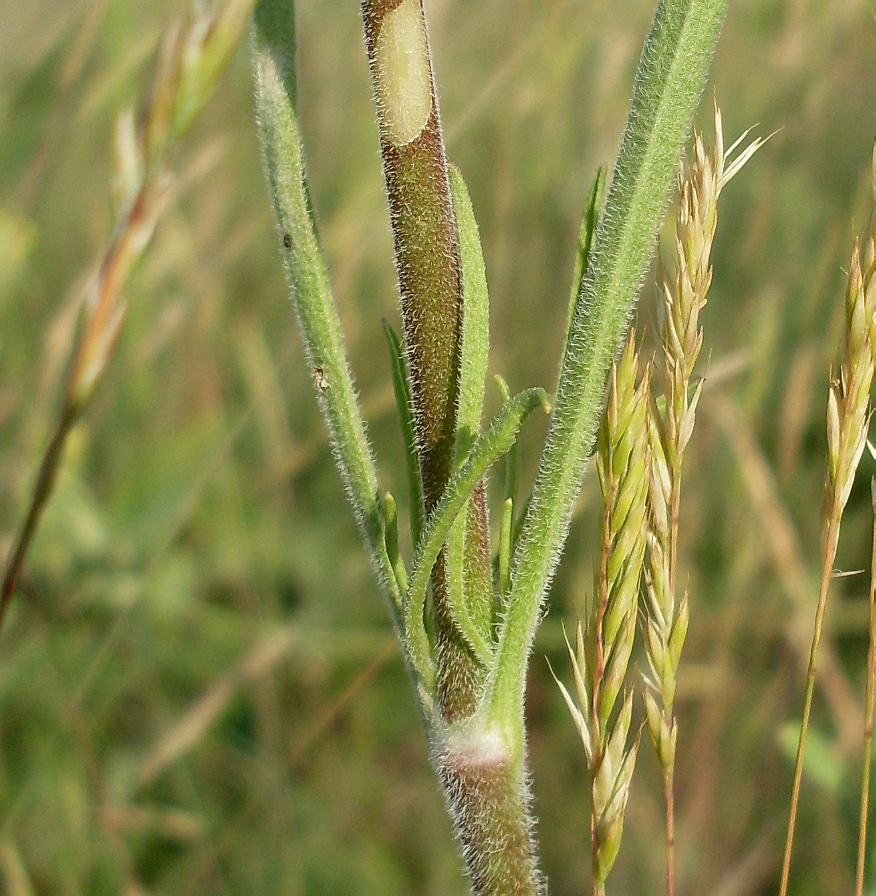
x,y
685,294
601,656
848,415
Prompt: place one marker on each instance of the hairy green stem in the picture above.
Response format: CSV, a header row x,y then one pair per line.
x,y
488,797
430,280
423,228
672,72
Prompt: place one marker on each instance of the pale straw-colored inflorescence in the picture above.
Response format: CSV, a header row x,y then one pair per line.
x,y
848,416
603,647
848,406
670,426
666,620
190,59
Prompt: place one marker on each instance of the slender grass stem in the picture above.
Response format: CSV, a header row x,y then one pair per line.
x,y
830,545
669,772
669,794
45,484
848,414
870,702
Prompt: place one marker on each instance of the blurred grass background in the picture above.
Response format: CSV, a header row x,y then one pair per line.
x,y
200,693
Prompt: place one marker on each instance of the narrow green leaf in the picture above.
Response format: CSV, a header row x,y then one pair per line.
x,y
488,448
672,72
393,551
512,459
471,609
474,355
589,221
401,385
505,549
475,632
502,562
273,50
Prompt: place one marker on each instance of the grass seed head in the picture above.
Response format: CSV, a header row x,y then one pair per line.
x,y
611,793
670,425
848,407
604,645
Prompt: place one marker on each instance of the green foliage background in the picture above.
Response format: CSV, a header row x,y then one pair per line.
x,y
200,694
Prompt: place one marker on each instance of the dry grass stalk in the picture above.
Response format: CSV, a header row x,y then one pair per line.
x,y
191,58
870,697
669,431
848,415
869,703
601,656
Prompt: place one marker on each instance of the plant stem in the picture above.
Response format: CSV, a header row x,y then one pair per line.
x,y
868,719
423,229
485,783
42,491
848,414
669,772
830,545
669,792
489,800
427,261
